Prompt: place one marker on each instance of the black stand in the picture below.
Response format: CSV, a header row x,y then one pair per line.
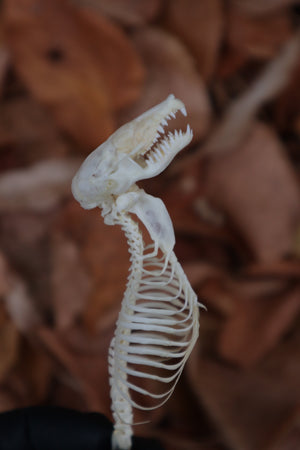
x,y
47,428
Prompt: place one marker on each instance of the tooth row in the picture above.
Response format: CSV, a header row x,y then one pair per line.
x,y
164,122
164,145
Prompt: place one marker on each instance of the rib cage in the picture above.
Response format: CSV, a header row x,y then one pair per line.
x,y
155,332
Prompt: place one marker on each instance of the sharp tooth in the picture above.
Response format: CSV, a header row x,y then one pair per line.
x,y
180,133
160,129
183,111
164,122
168,117
164,147
173,115
188,129
156,156
150,159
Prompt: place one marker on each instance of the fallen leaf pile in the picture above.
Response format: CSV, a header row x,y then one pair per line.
x,y
71,72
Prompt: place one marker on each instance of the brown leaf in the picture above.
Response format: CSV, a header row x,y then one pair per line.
x,y
284,269
39,187
103,251
286,436
200,26
75,62
88,370
257,326
9,343
287,106
248,405
4,66
30,131
70,282
36,371
256,187
258,7
4,284
258,37
170,69
8,400
127,12
20,305
239,117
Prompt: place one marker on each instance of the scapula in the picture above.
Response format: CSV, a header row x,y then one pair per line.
x,y
158,323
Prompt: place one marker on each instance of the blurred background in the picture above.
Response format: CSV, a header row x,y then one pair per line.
x,y
71,72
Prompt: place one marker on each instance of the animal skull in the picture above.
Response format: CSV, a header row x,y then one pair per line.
x,y
138,150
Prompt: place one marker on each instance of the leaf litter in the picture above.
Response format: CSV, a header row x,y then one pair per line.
x,y
70,73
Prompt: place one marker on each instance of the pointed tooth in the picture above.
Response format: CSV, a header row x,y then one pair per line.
x,y
173,115
180,133
156,156
150,159
183,111
164,122
165,147
160,129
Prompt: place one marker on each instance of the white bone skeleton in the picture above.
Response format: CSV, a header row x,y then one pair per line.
x,y
159,318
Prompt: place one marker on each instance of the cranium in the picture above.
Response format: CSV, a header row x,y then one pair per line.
x,y
138,150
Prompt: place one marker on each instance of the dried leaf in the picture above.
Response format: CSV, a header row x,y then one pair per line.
x,y
287,436
256,187
4,285
37,188
36,370
256,327
81,66
20,305
200,27
258,37
4,65
170,69
248,405
88,371
287,106
103,251
258,7
8,400
284,269
127,12
9,343
31,133
240,115
70,282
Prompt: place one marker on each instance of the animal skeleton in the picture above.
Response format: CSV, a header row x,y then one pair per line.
x,y
159,318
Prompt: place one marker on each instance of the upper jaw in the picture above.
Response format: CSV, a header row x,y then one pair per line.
x,y
160,147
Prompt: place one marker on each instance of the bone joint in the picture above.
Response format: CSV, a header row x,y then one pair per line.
x,y
158,323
